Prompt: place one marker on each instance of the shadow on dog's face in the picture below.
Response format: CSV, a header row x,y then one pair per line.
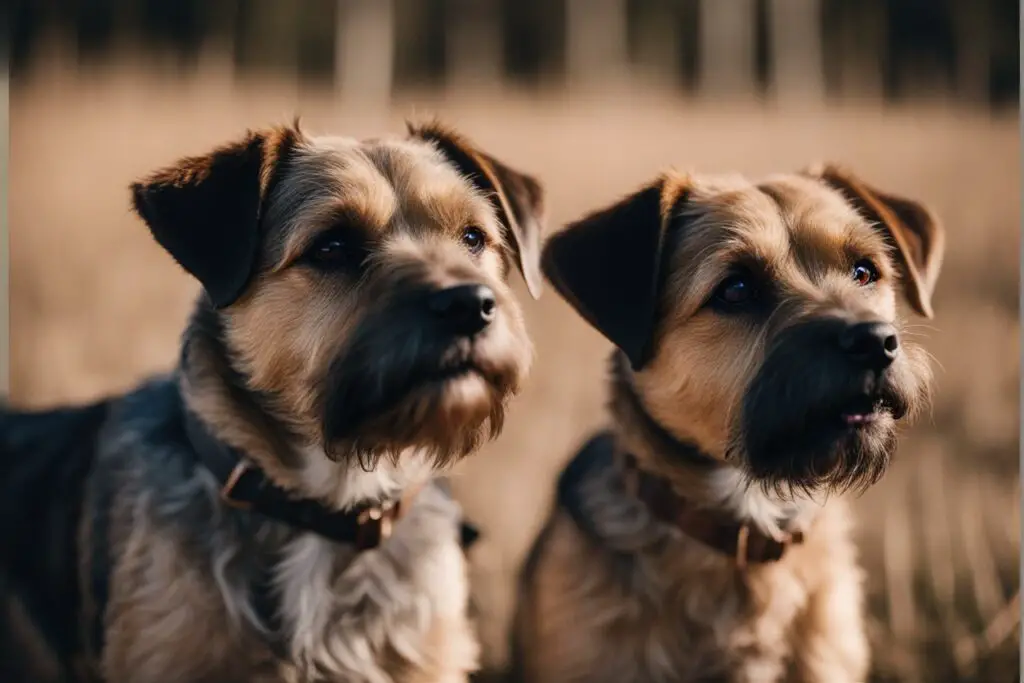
x,y
361,286
760,319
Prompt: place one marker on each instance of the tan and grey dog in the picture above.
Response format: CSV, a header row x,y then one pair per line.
x,y
761,371
269,512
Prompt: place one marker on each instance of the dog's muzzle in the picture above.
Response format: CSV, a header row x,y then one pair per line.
x,y
826,397
431,336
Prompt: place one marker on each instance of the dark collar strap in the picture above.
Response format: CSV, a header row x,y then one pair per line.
x,y
714,528
245,486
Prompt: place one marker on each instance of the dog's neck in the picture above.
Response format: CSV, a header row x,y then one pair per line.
x,y
701,479
215,389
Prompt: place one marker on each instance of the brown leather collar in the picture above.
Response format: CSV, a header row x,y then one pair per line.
x,y
714,528
244,485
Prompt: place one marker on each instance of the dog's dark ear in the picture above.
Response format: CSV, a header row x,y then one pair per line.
x,y
205,210
608,266
910,227
518,197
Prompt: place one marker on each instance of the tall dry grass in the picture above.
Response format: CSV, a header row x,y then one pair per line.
x,y
95,305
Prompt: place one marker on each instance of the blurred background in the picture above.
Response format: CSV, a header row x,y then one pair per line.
x,y
593,96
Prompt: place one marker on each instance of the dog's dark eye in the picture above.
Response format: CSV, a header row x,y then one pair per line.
x,y
474,239
336,249
864,272
735,290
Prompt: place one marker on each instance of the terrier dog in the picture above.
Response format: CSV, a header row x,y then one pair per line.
x,y
760,372
269,512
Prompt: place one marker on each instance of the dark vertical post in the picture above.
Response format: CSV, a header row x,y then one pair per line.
x,y
365,49
595,50
474,45
727,48
797,64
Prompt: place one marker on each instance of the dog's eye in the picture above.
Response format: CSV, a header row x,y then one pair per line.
x,y
735,290
474,239
864,272
335,249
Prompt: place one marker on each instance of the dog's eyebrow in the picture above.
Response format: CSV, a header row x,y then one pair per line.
x,y
454,216
865,236
714,246
706,265
311,224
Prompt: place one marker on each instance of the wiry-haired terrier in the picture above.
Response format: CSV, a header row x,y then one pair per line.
x,y
760,372
267,512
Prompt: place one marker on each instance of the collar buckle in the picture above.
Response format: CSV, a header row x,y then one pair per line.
x,y
376,523
742,546
229,486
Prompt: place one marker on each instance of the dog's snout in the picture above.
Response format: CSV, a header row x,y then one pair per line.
x,y
873,344
465,309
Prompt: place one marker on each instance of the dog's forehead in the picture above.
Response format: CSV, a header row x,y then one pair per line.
x,y
773,215
402,163
407,176
808,204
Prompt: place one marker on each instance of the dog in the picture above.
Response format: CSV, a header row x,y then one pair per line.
x,y
759,374
273,509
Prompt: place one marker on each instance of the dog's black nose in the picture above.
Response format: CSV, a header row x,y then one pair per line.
x,y
872,344
466,309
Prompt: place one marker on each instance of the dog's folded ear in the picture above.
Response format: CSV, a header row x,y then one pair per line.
x,y
608,266
913,230
518,197
205,210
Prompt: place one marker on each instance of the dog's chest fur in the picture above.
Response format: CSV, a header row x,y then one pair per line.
x,y
371,616
189,573
637,600
712,619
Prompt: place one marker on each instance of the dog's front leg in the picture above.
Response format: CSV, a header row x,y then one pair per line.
x,y
453,654
832,644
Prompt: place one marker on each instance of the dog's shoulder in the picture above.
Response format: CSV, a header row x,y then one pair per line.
x,y
36,436
152,411
145,447
597,454
46,457
145,435
595,457
46,454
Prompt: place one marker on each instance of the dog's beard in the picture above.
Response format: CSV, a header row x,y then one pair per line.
x,y
792,435
442,397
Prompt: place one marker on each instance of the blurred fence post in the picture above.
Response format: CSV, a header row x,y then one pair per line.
x,y
727,47
268,36
365,49
798,68
473,44
595,42
217,48
861,36
657,47
5,233
972,26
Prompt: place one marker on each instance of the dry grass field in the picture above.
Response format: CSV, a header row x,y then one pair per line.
x,y
95,305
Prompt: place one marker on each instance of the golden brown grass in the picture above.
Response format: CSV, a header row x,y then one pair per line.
x,y
95,306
